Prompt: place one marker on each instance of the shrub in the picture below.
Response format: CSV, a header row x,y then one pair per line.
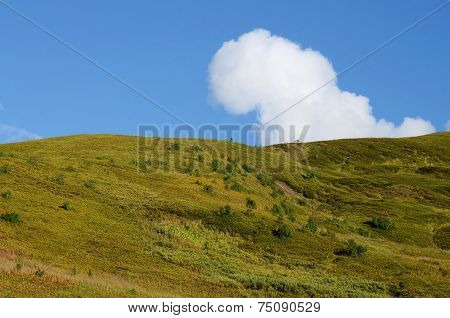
x,y
34,160
7,195
264,180
208,189
282,231
311,226
237,187
39,272
5,169
308,174
90,184
59,179
71,168
224,211
352,249
276,192
175,146
301,202
11,217
230,168
380,223
215,165
200,158
362,232
65,206
248,168
251,204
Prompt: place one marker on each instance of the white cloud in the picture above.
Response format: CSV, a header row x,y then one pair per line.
x,y
13,134
267,73
447,125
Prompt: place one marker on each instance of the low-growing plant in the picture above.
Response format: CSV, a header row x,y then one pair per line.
x,y
65,206
311,225
5,169
251,204
248,168
352,249
34,160
59,179
208,189
237,187
175,146
380,223
283,231
90,184
308,174
215,165
39,272
70,168
224,210
7,195
19,266
301,202
11,217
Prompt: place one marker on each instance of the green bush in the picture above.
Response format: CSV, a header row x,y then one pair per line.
x,y
208,189
264,180
237,187
7,195
65,206
90,184
352,249
175,146
224,211
5,169
251,204
230,169
283,231
380,223
308,175
11,217
215,165
39,272
311,226
248,168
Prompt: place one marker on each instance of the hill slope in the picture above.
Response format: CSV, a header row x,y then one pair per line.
x,y
92,216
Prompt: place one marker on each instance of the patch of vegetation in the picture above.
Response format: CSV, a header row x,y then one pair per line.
x,y
237,187
311,226
380,223
65,206
11,217
251,204
248,168
175,146
5,169
90,184
39,272
224,210
215,165
442,237
208,189
282,231
352,249
7,195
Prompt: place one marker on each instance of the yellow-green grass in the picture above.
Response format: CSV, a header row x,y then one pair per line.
x,y
121,216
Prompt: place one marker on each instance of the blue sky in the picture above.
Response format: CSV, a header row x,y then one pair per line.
x,y
163,48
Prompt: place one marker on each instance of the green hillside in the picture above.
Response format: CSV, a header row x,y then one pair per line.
x,y
86,216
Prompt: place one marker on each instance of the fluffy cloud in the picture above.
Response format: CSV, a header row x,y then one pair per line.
x,y
13,134
447,125
267,73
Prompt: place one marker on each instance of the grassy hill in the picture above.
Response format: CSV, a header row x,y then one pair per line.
x,y
98,216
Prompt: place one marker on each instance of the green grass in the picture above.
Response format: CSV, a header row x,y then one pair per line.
x,y
202,218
